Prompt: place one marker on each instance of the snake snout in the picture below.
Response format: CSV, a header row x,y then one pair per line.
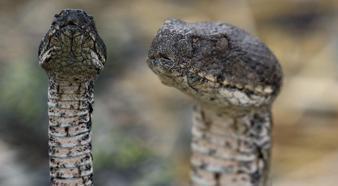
x,y
72,18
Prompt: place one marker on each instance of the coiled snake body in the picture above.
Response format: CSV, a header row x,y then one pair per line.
x,y
72,54
234,78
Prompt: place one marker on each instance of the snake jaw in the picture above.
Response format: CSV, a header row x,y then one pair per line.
x,y
45,57
206,88
209,89
221,96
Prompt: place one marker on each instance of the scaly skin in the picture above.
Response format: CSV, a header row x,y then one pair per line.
x,y
234,78
72,53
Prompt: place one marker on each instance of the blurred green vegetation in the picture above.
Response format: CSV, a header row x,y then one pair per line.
x,y
22,91
129,155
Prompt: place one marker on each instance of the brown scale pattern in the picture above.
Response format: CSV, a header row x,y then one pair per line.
x,y
228,150
70,133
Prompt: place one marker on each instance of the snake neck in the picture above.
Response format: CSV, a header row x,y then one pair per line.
x,y
69,110
230,150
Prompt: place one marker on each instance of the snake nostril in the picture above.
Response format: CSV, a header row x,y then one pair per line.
x,y
72,22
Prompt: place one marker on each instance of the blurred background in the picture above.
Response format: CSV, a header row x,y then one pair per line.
x,y
141,128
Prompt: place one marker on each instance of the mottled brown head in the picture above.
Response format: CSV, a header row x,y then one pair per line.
x,y
72,48
216,63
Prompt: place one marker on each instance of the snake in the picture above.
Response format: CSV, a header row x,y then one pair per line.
x,y
72,54
234,79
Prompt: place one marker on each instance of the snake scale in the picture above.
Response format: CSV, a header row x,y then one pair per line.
x,y
73,54
234,79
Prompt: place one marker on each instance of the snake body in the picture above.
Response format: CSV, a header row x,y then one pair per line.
x,y
72,53
234,79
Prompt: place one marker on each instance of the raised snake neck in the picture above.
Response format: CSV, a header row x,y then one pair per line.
x,y
229,150
234,78
72,54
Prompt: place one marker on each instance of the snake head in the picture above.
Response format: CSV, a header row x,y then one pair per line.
x,y
72,46
218,64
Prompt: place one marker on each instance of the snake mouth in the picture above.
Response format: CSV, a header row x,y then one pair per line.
x,y
225,95
261,90
210,89
170,73
168,70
